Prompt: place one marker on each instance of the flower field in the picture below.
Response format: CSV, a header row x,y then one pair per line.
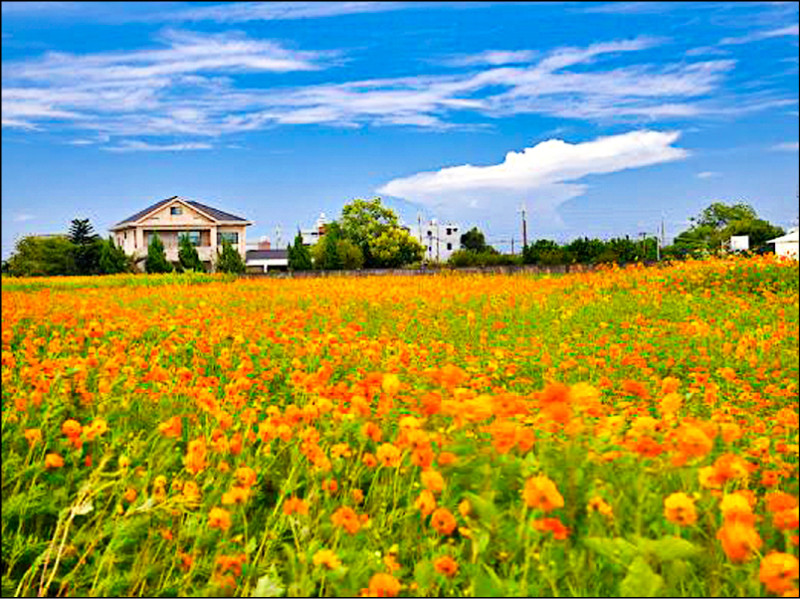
x,y
624,432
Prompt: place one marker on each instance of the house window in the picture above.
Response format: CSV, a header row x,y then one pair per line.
x,y
176,211
194,237
449,246
429,233
231,236
449,231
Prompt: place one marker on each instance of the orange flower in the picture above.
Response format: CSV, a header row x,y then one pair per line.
x,y
738,539
679,509
735,507
383,585
465,508
777,501
195,460
236,496
171,427
245,477
693,441
53,460
97,428
71,428
391,563
347,519
219,518
541,493
294,505
599,505
330,485
326,558
130,495
443,521
357,495
372,430
426,502
446,565
388,455
432,481
554,525
33,436
390,384
778,572
191,492
369,460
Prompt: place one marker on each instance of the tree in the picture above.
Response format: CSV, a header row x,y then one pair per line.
x,y
326,250
87,246
395,247
188,257
230,260
42,256
715,226
542,251
474,240
299,256
113,259
365,220
584,250
156,261
350,255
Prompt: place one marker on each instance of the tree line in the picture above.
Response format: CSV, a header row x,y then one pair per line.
x,y
82,252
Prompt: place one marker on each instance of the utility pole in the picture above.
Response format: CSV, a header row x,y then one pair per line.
x,y
663,239
512,245
524,227
419,225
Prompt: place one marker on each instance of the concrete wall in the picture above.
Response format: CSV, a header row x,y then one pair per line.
x,y
389,272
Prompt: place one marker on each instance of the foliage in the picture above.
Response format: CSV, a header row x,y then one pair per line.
x,y
326,251
474,240
363,221
394,248
490,257
43,256
350,255
299,255
88,246
230,260
447,435
113,259
713,228
188,257
156,261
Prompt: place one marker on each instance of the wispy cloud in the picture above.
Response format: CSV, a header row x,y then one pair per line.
x,y
544,175
22,217
789,146
707,175
789,30
238,12
190,87
141,146
492,57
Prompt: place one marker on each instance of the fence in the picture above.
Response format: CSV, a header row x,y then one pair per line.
x,y
412,272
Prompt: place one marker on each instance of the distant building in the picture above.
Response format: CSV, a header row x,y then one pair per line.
x,y
174,217
312,235
266,260
440,240
788,245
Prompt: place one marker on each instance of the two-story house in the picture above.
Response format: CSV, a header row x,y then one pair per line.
x,y
205,226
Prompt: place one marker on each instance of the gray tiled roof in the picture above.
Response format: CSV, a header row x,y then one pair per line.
x,y
212,212
267,254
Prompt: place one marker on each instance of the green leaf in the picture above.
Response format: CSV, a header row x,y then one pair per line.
x,y
617,549
489,586
424,574
641,581
269,585
668,548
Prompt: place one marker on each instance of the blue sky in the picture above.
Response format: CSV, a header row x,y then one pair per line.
x,y
603,118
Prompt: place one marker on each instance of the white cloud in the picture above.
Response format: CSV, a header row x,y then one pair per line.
x,y
545,175
237,12
141,146
707,175
789,146
789,30
21,218
493,57
190,87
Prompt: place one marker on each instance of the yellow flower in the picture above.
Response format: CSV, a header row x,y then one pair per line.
x,y
327,558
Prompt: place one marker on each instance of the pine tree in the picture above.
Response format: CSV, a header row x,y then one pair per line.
x,y
230,260
156,261
112,258
187,255
299,256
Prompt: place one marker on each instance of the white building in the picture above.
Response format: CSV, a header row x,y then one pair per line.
x,y
787,245
259,261
440,240
312,235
